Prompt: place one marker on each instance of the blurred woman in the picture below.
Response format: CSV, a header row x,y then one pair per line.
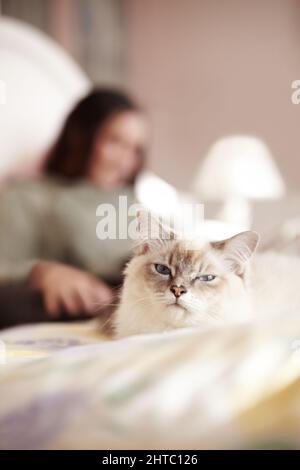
x,y
103,140
49,235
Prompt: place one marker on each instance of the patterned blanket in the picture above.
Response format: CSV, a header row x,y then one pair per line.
x,y
64,386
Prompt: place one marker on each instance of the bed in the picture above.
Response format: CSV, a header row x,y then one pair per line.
x,y
66,386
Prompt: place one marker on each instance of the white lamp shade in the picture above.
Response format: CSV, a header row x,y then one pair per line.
x,y
156,194
239,166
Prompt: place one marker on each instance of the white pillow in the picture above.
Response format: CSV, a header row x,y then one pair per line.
x,y
39,83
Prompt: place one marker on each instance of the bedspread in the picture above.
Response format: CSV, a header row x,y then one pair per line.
x,y
65,386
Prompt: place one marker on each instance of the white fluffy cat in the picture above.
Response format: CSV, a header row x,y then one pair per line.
x,y
171,283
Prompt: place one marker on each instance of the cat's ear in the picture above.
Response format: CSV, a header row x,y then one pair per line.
x,y
152,232
237,250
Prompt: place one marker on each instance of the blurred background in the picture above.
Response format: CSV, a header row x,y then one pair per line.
x,y
201,68
215,78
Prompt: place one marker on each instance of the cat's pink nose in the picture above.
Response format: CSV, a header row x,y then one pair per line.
x,y
178,290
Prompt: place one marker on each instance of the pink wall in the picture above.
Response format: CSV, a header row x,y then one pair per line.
x,y
206,68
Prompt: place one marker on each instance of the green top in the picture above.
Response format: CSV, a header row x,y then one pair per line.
x,y
49,219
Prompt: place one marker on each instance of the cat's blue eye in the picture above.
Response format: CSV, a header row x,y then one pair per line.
x,y
162,269
206,277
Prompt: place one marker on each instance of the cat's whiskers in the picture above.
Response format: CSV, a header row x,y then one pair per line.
x,y
105,305
149,297
193,305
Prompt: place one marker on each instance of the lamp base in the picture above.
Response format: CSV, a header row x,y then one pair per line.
x,y
236,211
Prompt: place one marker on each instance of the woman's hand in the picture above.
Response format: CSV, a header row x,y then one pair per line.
x,y
68,289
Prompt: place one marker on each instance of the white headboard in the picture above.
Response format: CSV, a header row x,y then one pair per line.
x,y
39,83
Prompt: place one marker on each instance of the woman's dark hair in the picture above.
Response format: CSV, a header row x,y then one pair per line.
x,y
70,156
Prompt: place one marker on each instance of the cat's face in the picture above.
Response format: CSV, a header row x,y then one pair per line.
x,y
172,283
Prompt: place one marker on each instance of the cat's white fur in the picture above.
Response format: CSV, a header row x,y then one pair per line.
x,y
255,287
